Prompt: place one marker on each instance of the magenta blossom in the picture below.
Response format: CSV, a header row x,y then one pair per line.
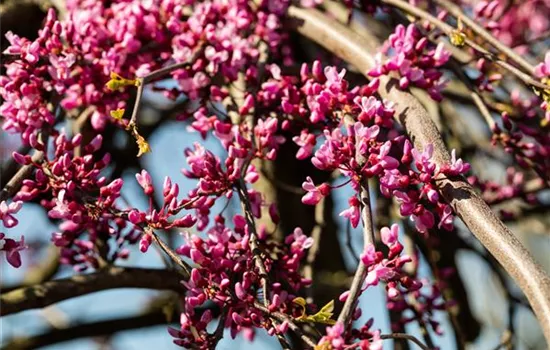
x,y
12,248
314,193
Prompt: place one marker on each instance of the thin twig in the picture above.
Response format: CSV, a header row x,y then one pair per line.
x,y
218,333
448,29
154,315
160,73
362,269
407,337
253,241
480,104
47,293
506,341
291,324
312,253
10,166
25,172
169,252
483,33
349,243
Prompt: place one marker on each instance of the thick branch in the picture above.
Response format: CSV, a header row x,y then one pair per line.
x,y
469,206
115,277
86,330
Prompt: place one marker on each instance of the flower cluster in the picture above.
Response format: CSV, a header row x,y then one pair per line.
x,y
401,287
230,33
529,145
160,218
363,338
514,24
71,180
414,60
515,187
404,172
227,276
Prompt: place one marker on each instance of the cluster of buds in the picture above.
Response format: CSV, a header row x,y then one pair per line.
x,y
226,275
414,60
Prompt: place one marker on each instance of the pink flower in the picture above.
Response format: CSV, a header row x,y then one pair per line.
x,y
369,255
389,236
458,166
12,249
423,221
353,213
61,209
300,241
378,273
446,218
146,182
543,69
423,160
314,194
334,336
310,3
386,161
306,141
145,242
7,211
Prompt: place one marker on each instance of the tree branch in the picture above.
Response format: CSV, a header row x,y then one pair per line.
x,y
51,292
406,337
86,330
362,270
482,32
469,206
448,30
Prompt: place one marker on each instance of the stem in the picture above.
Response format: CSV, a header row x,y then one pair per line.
x,y
407,337
483,109
448,29
170,252
314,250
362,270
160,73
137,103
482,32
51,292
218,333
282,318
253,241
22,174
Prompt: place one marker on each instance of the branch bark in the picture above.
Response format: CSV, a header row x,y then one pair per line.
x,y
87,330
466,203
51,292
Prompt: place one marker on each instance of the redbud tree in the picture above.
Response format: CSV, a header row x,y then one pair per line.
x,y
427,121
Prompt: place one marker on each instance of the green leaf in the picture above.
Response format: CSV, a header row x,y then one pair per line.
x,y
117,113
117,82
323,316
